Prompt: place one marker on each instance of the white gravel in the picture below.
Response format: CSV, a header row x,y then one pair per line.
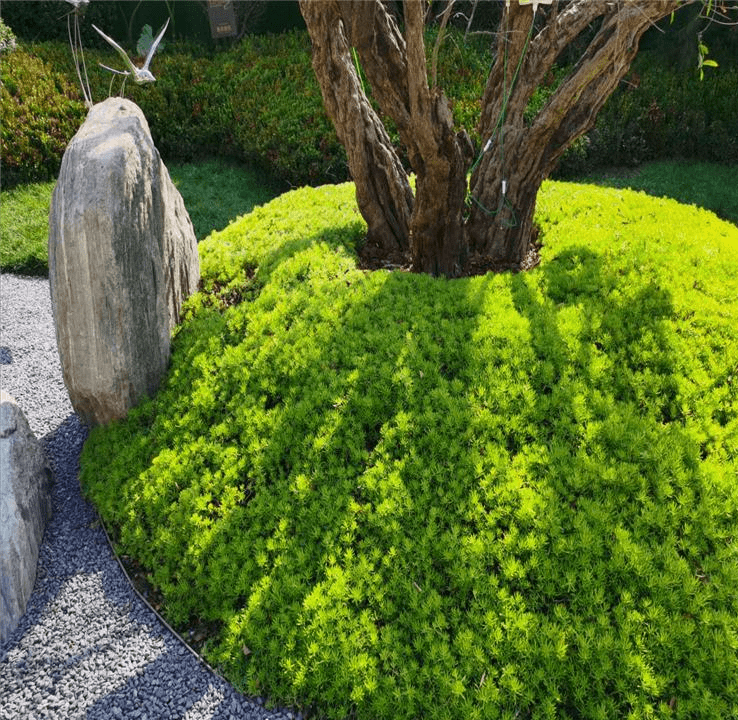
x,y
87,646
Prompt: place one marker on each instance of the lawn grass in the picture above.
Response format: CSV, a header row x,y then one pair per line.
x,y
215,193
707,185
393,496
24,229
218,191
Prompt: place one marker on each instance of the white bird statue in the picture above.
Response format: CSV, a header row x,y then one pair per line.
x,y
140,75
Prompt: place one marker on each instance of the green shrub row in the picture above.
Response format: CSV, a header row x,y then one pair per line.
x,y
657,114
403,497
259,101
41,111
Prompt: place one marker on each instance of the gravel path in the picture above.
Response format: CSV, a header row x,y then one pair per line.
x,y
87,647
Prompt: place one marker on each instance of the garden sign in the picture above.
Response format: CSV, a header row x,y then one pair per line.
x,y
222,18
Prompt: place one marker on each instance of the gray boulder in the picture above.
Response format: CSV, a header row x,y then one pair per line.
x,y
122,258
25,507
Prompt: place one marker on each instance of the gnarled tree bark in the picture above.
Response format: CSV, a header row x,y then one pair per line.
x,y
383,191
444,235
521,156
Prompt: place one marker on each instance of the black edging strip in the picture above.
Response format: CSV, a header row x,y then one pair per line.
x,y
199,658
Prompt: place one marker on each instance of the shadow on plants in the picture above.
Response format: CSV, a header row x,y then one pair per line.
x,y
404,496
621,479
349,404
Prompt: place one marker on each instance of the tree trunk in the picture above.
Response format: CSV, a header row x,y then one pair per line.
x,y
396,69
439,245
437,156
383,191
519,153
522,155
500,227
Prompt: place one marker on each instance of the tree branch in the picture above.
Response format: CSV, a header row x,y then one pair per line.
x,y
382,189
514,28
441,32
417,77
607,59
545,46
382,50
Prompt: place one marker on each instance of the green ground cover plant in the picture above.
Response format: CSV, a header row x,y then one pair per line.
x,y
395,496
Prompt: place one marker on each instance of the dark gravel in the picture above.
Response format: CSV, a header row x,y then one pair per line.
x,y
87,647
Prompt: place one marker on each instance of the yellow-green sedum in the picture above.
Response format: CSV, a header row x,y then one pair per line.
x,y
502,496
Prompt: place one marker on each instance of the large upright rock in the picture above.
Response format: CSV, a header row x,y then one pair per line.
x,y
122,258
25,507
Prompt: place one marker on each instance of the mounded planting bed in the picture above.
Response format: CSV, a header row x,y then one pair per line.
x,y
508,496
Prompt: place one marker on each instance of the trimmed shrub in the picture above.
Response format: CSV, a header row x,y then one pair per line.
x,y
189,107
259,101
47,19
291,132
661,114
397,496
41,111
200,105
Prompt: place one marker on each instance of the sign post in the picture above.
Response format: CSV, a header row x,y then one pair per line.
x,y
222,17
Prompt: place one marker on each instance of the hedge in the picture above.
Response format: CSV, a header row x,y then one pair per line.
x,y
259,102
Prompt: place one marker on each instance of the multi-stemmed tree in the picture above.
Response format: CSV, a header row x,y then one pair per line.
x,y
454,220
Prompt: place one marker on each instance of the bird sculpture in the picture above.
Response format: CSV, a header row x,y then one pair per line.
x,y
140,75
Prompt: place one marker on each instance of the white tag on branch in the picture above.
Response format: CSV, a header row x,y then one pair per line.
x,y
534,3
